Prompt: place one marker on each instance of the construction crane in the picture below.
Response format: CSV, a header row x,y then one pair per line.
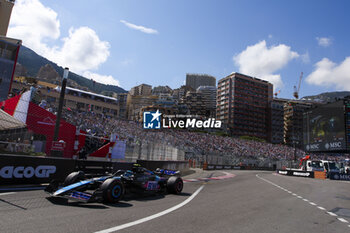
x,y
296,90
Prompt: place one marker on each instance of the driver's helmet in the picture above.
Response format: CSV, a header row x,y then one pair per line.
x,y
137,168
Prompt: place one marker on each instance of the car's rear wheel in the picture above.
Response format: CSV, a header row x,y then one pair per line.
x,y
112,190
74,177
175,185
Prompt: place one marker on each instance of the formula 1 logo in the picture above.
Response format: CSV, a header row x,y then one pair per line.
x,y
42,171
151,120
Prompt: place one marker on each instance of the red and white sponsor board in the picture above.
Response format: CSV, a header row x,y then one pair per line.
x,y
41,121
58,145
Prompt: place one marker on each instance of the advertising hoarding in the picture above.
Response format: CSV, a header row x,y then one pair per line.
x,y
324,128
347,121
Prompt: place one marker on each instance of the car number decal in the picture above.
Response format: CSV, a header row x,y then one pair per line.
x,y
152,185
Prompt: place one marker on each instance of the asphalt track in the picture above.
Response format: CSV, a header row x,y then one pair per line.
x,y
251,201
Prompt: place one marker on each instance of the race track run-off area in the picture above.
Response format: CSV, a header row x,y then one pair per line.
x,y
212,201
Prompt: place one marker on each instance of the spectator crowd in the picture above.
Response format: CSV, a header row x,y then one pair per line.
x,y
199,143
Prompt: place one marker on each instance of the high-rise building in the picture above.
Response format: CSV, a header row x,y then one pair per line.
x,y
161,90
196,80
5,15
277,120
181,92
293,122
135,103
195,104
209,98
242,105
143,89
122,97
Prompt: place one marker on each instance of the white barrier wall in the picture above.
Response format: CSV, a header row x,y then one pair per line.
x,y
153,151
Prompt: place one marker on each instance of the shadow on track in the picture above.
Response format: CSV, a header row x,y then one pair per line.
x,y
119,204
65,202
122,204
12,204
184,194
143,197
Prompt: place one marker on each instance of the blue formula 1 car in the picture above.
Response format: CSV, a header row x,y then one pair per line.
x,y
112,188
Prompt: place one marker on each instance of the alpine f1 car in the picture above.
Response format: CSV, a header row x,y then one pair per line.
x,y
112,188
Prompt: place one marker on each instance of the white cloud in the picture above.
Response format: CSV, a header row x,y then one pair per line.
x,y
139,28
305,57
82,50
260,61
36,25
324,41
106,79
32,22
330,74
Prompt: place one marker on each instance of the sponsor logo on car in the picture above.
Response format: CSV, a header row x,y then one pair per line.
x,y
152,185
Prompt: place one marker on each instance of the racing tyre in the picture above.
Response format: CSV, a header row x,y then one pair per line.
x,y
112,190
74,177
175,185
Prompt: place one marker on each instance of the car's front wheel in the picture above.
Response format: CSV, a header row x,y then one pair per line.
x,y
74,177
112,190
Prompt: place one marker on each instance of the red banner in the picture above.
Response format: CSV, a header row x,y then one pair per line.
x,y
43,122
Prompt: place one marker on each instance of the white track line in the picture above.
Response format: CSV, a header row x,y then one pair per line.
x,y
332,214
3,194
343,220
306,200
142,220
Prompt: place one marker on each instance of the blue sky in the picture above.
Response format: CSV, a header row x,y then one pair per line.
x,y
157,42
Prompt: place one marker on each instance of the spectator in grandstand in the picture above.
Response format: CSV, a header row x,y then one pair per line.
x,y
200,143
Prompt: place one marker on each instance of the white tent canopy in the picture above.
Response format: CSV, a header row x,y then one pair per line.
x,y
9,122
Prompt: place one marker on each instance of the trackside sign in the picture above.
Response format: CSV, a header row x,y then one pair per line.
x,y
339,176
299,173
42,171
23,169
